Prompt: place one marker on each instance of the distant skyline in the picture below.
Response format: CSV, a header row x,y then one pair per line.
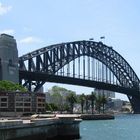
x,y
36,24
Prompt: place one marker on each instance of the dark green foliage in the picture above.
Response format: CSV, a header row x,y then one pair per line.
x,y
51,107
100,102
82,100
104,101
56,89
10,86
58,96
72,99
92,97
48,107
87,103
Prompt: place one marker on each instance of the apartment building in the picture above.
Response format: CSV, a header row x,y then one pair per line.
x,y
20,103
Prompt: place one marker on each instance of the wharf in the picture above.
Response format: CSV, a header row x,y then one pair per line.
x,y
97,116
58,127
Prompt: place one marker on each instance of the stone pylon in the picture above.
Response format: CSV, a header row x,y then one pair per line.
x,y
8,59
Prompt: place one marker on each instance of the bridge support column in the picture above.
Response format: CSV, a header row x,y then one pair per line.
x,y
135,102
8,59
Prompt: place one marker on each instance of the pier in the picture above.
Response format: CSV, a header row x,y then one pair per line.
x,y
60,126
97,116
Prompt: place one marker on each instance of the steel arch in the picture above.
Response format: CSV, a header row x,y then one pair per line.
x,y
52,58
43,64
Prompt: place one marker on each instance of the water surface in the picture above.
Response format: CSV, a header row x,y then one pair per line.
x,y
124,127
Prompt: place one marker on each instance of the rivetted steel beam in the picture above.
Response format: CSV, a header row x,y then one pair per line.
x,y
51,62
77,81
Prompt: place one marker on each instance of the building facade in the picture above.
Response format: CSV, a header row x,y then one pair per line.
x,y
20,103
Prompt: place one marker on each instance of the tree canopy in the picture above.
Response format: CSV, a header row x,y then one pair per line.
x,y
71,98
59,97
10,86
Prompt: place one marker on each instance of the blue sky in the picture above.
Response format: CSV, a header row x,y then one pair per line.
x,y
38,23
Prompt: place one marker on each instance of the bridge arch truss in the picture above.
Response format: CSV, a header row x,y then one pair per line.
x,y
107,63
85,63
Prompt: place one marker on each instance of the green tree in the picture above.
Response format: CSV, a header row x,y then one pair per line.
x,y
66,107
48,107
99,103
57,89
104,101
72,99
92,97
10,86
59,97
57,100
82,102
87,103
53,106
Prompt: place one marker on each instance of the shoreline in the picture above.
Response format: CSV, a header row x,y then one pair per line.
x,y
97,116
60,126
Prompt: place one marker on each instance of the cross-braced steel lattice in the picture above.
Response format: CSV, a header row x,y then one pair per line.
x,y
85,63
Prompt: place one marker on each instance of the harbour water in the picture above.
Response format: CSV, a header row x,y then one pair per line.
x,y
124,127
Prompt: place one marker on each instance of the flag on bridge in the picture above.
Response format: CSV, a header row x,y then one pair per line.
x,y
102,37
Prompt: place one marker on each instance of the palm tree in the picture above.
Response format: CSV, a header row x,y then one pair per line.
x,y
92,98
99,103
71,98
82,102
87,103
104,101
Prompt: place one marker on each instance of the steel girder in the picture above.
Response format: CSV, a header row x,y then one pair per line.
x,y
51,59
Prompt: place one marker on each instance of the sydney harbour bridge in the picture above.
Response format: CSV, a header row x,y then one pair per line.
x,y
84,63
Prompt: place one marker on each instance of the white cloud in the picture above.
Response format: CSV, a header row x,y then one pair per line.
x,y
30,40
7,31
4,9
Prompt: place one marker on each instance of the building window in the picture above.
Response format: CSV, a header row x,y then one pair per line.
x,y
27,99
19,104
27,104
39,105
39,100
3,99
10,62
27,109
40,110
3,104
19,109
19,99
